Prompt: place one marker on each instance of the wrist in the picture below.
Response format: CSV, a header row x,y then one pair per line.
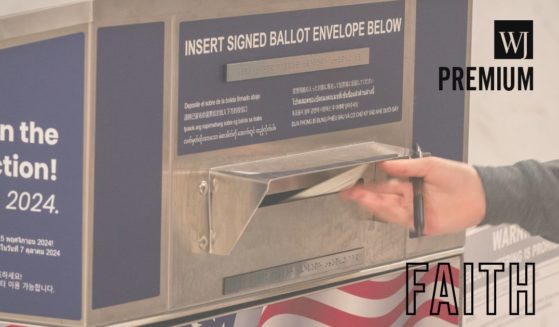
x,y
479,203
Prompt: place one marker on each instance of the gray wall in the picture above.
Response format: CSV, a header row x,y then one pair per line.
x,y
506,127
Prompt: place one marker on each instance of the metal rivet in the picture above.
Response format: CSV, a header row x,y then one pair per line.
x,y
203,187
203,242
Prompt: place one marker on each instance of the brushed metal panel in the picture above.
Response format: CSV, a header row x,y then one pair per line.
x,y
292,271
113,12
242,71
282,234
432,244
27,23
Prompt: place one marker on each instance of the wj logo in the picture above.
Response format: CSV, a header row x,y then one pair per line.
x,y
514,39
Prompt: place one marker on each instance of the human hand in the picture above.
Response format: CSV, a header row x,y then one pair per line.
x,y
453,194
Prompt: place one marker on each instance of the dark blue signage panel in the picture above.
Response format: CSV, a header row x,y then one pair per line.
x,y
441,40
305,87
41,142
129,129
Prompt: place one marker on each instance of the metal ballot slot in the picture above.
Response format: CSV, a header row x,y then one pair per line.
x,y
245,187
202,145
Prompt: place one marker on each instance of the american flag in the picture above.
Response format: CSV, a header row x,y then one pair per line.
x,y
376,302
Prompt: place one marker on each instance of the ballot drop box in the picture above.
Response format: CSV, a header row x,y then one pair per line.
x,y
179,161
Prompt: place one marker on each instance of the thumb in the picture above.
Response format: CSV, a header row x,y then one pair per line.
x,y
407,167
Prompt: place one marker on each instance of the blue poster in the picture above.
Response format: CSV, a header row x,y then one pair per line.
x,y
41,150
